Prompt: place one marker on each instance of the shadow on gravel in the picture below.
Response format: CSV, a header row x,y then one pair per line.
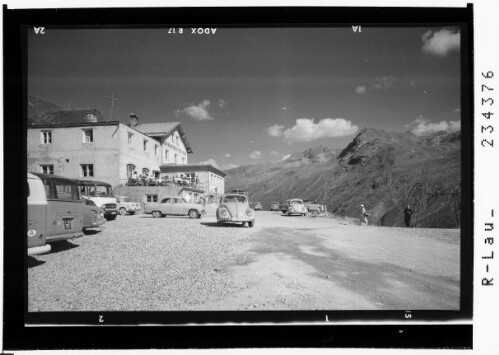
x,y
32,262
62,246
361,276
91,231
225,225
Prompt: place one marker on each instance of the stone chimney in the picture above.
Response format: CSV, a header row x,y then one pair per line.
x,y
134,120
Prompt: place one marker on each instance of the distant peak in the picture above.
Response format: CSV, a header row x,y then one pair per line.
x,y
315,154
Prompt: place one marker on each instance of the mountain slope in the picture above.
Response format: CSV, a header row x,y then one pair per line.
x,y
383,170
45,112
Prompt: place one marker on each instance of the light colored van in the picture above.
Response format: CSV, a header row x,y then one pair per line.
x,y
36,226
101,193
55,211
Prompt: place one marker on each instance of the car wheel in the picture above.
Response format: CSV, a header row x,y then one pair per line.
x,y
156,214
283,212
251,224
193,214
123,211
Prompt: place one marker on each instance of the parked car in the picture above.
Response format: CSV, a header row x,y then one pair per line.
x,y
176,206
313,206
124,205
293,206
37,203
54,208
257,206
102,194
235,208
93,216
274,206
239,191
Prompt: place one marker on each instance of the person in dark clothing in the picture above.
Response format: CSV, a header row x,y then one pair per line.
x,y
407,215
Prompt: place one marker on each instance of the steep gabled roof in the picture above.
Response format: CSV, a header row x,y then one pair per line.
x,y
164,130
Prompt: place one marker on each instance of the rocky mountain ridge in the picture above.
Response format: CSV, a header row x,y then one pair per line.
x,y
383,170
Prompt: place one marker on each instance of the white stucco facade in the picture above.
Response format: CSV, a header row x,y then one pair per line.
x,y
106,151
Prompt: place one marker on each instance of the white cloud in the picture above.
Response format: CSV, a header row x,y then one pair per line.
x,y
285,157
273,153
222,104
216,165
210,162
384,83
229,166
227,155
306,130
275,130
441,42
198,112
421,126
256,154
361,89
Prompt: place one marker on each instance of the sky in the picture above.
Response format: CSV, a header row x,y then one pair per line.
x,y
255,95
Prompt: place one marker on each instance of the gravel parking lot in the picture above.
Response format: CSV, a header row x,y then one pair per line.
x,y
140,263
137,263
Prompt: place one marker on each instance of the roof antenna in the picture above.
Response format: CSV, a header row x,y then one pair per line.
x,y
112,103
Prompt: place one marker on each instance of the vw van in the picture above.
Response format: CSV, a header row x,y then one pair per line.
x,y
55,211
101,193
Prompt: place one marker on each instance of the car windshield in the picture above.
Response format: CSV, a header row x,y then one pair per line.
x,y
235,198
296,202
61,190
104,190
126,199
89,202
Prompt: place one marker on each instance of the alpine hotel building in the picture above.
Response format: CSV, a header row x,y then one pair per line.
x,y
111,151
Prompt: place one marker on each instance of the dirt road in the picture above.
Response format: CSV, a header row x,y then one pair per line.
x,y
333,264
283,263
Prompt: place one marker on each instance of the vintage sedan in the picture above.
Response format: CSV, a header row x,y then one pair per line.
x,y
125,206
235,208
257,206
93,216
274,206
293,206
175,206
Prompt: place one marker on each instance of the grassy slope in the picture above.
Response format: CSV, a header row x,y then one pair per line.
x,y
384,171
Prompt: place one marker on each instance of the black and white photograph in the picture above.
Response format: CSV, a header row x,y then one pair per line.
x,y
205,172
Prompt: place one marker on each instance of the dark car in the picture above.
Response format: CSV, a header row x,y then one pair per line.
x,y
93,216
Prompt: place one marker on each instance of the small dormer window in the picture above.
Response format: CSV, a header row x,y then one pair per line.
x,y
88,136
130,139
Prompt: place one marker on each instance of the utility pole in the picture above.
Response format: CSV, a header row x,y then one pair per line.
x,y
112,103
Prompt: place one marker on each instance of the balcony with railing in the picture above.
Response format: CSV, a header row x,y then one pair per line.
x,y
165,181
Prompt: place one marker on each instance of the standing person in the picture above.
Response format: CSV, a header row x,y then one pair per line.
x,y
363,215
407,216
135,177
